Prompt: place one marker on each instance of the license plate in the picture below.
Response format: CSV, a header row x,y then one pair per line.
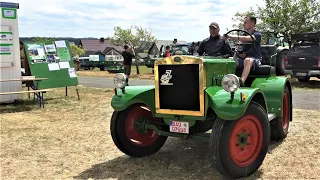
x,y
301,74
179,127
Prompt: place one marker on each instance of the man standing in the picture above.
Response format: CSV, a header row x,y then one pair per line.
x,y
214,45
127,55
251,60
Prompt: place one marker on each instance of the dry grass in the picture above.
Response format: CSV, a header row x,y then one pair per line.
x,y
71,139
313,84
145,73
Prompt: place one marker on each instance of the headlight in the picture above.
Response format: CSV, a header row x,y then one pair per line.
x,y
230,83
120,80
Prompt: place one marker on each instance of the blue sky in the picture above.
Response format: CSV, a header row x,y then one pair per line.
x,y
184,19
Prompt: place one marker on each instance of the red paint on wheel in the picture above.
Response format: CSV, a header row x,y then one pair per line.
x,y
244,155
137,138
285,111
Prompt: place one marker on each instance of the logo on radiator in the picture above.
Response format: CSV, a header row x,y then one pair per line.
x,y
165,78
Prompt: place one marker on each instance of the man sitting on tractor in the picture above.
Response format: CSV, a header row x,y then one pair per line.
x,y
251,60
215,45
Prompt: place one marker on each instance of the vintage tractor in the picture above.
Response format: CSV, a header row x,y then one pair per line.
x,y
193,95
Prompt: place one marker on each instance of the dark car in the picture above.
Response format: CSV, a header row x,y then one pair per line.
x,y
303,59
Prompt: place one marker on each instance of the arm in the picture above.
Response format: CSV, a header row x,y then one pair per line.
x,y
241,38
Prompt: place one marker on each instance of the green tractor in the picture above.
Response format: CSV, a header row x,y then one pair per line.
x,y
193,95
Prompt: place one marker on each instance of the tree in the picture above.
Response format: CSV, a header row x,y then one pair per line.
x,y
287,17
76,51
43,39
138,40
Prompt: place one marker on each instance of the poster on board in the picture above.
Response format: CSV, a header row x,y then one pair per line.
x,y
36,52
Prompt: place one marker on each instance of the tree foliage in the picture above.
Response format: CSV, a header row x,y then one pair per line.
x,y
285,17
136,37
76,51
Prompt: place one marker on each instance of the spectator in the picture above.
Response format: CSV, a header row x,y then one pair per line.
x,y
127,55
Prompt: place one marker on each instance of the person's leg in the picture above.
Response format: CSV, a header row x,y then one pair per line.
x,y
247,65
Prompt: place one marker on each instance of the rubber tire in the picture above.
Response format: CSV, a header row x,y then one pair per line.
x,y
280,69
117,129
219,146
277,131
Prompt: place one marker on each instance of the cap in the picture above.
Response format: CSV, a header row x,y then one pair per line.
x,y
214,24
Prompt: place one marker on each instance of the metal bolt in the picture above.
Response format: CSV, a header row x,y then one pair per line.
x,y
237,144
249,134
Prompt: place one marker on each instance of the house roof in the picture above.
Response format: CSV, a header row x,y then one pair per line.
x,y
142,55
95,44
119,49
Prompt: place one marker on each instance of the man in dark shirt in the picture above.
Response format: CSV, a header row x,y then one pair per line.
x,y
214,45
127,55
251,60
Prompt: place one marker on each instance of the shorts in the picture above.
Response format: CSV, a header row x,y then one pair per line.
x,y
255,65
127,70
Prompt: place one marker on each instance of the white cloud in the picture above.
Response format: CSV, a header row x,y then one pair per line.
x,y
185,20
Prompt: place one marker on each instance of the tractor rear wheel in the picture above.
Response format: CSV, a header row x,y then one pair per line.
x,y
130,134
280,125
238,148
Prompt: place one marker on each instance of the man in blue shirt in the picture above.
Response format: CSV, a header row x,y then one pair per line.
x,y
214,45
251,60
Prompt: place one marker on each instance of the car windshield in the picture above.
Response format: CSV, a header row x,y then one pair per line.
x,y
305,49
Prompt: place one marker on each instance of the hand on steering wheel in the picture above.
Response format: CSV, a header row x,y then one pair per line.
x,y
238,43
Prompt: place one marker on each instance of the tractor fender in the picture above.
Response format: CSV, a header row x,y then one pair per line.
x,y
273,88
134,95
228,108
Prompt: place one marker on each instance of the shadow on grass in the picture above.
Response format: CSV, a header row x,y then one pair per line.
x,y
312,84
178,159
23,105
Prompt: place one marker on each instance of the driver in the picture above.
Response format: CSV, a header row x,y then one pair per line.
x,y
251,60
214,45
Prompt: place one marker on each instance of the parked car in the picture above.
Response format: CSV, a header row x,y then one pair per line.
x,y
303,59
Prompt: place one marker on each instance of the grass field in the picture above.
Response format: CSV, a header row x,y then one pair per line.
x,y
71,139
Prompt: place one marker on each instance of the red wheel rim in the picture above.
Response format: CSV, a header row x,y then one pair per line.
x,y
285,111
246,141
138,138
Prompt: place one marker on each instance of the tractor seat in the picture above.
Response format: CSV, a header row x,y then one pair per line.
x,y
263,70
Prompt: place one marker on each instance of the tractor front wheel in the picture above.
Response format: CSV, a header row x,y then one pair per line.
x,y
238,148
129,132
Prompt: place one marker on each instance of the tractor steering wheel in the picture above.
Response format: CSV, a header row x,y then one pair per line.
x,y
238,43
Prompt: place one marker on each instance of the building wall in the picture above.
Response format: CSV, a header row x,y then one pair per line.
x,y
10,66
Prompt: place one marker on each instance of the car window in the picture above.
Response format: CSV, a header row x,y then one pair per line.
x,y
305,49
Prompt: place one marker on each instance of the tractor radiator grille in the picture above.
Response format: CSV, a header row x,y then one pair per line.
x,y
181,92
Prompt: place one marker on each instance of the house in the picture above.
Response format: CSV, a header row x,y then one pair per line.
x,y
102,47
156,47
92,46
113,53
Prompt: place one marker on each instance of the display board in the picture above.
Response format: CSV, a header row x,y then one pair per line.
x,y
51,60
